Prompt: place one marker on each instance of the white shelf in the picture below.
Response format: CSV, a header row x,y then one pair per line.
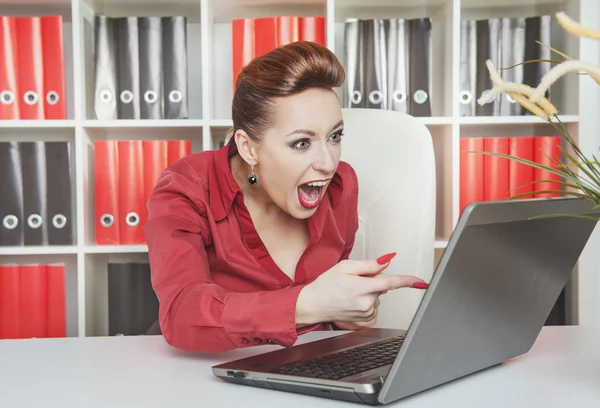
x,y
39,250
510,120
130,123
210,92
115,249
37,124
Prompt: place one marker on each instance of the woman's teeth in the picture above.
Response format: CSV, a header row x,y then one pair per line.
x,y
317,183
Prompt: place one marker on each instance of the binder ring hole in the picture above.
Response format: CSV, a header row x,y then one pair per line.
x,y
420,96
30,98
59,221
126,96
150,96
465,97
105,96
34,221
10,221
132,219
175,96
376,97
356,97
107,220
399,96
7,97
52,97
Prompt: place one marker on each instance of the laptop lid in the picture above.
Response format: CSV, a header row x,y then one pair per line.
x,y
492,290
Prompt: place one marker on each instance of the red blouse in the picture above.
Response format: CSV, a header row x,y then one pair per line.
x,y
217,285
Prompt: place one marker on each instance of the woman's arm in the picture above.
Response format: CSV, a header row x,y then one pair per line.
x,y
196,314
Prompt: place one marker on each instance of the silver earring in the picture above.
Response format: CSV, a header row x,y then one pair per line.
x,y
252,178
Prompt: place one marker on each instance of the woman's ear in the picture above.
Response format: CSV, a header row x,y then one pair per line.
x,y
245,147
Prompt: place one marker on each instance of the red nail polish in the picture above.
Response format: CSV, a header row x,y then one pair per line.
x,y
385,258
420,285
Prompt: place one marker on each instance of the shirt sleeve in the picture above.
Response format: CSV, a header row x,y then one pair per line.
x,y
194,313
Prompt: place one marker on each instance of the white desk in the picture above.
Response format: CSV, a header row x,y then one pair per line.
x,y
562,370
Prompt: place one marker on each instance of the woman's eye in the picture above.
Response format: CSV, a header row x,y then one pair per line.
x,y
337,137
301,144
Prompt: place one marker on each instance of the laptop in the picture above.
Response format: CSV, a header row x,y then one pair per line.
x,y
489,298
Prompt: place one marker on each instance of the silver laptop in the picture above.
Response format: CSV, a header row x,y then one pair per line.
x,y
488,300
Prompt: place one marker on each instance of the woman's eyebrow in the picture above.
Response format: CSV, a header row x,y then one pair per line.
x,y
312,133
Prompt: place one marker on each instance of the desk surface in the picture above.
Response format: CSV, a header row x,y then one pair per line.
x,y
562,369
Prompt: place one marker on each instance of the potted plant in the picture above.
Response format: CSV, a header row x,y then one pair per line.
x,y
579,174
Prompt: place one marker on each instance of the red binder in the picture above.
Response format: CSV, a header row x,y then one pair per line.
x,y
495,169
547,150
57,315
10,302
265,35
521,174
155,161
33,301
178,149
287,30
9,101
243,45
54,68
132,208
471,171
31,68
106,176
312,29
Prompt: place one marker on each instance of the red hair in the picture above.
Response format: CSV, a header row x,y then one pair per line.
x,y
284,71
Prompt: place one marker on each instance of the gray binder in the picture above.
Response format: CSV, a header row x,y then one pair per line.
x,y
536,29
105,69
397,64
128,62
353,92
175,67
11,195
375,64
488,47
468,68
512,53
150,67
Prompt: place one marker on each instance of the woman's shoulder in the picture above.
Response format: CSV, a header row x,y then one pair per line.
x,y
185,182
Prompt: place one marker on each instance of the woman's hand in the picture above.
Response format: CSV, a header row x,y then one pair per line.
x,y
358,325
349,291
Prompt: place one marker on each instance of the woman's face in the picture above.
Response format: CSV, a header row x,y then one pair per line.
x,y
299,154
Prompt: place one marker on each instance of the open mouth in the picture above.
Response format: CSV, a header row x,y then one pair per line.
x,y
310,194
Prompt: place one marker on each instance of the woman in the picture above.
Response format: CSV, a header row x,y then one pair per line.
x,y
248,244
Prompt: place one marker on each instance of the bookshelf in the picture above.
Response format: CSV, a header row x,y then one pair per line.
x,y
209,25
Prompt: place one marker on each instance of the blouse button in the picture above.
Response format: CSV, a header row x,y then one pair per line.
x,y
257,340
269,341
245,340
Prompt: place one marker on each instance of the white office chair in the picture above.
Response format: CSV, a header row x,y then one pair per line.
x,y
393,156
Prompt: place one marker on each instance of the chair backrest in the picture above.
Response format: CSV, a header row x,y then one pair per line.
x,y
392,154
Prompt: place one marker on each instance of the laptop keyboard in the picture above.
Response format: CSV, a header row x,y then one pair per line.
x,y
348,362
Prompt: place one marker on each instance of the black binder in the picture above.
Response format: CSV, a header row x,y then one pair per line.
x,y
150,65
35,207
11,195
175,67
58,177
105,69
128,63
